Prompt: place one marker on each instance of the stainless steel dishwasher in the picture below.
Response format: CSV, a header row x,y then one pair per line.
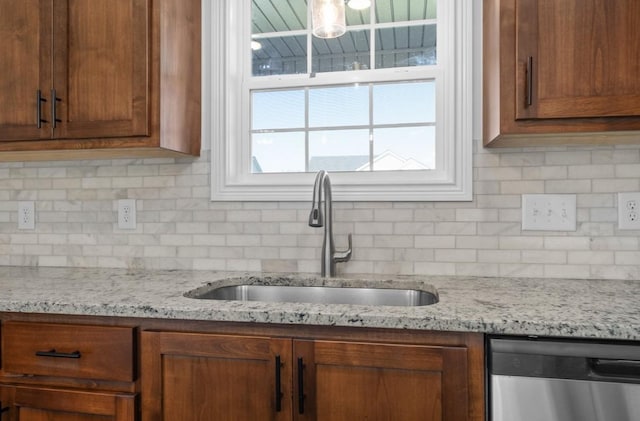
x,y
563,380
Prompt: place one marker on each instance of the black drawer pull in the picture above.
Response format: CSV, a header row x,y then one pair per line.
x,y
54,354
54,109
279,393
39,100
529,92
301,395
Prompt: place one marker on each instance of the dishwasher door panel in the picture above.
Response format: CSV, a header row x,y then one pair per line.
x,y
516,398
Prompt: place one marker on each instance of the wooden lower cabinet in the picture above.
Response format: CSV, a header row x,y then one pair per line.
x,y
215,377
43,404
343,381
206,377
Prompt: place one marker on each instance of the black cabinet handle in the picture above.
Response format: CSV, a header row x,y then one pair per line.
x,y
301,396
52,353
278,384
39,101
54,108
530,81
3,410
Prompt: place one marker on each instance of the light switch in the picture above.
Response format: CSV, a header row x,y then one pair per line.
x,y
549,212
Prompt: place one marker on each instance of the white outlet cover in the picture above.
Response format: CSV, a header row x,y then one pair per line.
x,y
26,215
629,211
549,212
127,214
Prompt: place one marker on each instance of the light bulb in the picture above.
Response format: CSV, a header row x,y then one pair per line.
x,y
359,4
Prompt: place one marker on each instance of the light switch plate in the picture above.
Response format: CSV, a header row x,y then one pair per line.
x,y
549,212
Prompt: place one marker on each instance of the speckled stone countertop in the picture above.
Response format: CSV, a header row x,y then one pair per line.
x,y
549,307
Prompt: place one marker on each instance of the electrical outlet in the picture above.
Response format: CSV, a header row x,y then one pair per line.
x,y
549,212
26,216
629,211
127,214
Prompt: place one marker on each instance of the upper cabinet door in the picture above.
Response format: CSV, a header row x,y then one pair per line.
x,y
25,68
577,58
101,68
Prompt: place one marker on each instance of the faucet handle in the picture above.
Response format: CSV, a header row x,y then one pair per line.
x,y
343,256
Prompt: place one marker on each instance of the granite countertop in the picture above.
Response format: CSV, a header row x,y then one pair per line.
x,y
549,307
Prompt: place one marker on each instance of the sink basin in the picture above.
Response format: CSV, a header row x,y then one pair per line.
x,y
320,295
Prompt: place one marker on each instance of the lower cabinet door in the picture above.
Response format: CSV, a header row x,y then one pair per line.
x,y
346,381
206,377
41,404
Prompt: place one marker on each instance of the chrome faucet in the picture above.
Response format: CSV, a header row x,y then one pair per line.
x,y
322,188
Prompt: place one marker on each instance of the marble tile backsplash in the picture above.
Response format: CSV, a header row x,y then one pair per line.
x,y
180,228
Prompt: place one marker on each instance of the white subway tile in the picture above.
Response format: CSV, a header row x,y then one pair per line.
x,y
499,256
555,172
571,157
591,257
616,185
627,258
477,269
455,255
435,241
567,243
544,256
567,186
566,271
521,270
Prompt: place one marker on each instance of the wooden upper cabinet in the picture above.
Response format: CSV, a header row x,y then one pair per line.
x,y
561,68
584,57
343,381
101,68
117,78
25,67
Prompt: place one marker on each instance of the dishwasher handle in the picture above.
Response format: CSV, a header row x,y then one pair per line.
x,y
615,368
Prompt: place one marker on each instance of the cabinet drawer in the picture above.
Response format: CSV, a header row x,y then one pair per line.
x,y
65,350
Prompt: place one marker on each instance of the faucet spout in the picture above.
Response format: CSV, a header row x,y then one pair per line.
x,y
319,218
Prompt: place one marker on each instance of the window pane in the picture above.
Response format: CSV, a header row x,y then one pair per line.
x,y
399,103
279,55
338,150
402,11
341,106
348,52
277,152
406,46
404,148
357,17
290,15
277,109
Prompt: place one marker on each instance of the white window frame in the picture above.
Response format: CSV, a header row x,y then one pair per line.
x,y
230,122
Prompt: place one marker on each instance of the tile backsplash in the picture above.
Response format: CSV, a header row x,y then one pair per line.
x,y
180,228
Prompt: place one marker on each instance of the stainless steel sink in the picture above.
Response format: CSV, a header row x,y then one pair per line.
x,y
320,295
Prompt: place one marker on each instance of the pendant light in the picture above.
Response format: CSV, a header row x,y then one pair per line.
x,y
359,4
328,18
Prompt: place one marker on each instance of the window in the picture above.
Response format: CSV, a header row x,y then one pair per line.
x,y
385,108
